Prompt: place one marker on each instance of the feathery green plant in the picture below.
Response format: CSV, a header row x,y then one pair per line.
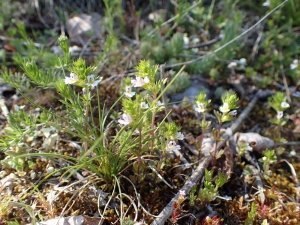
x,y
210,190
279,103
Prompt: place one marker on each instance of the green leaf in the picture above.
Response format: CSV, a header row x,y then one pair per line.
x,y
221,179
215,133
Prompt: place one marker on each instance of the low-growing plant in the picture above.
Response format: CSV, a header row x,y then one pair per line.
x,y
201,106
279,103
252,214
227,113
210,189
79,123
133,141
137,133
268,159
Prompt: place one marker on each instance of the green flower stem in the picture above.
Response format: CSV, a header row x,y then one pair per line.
x,y
202,136
139,159
153,127
278,137
86,125
159,164
162,156
216,144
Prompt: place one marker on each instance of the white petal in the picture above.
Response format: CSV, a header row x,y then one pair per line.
x,y
146,80
233,113
128,91
179,136
200,108
144,105
266,3
279,115
285,105
224,108
73,76
125,119
172,146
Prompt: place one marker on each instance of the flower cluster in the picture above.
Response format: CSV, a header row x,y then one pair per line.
x,y
201,103
89,82
137,109
229,104
228,109
139,81
278,102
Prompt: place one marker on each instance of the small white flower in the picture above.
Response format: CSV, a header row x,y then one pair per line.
x,y
139,81
179,136
243,62
293,153
199,108
267,3
233,113
186,39
279,115
172,146
18,108
232,65
128,92
182,192
294,65
32,175
224,108
144,105
285,105
125,119
72,79
50,169
196,40
91,80
160,104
